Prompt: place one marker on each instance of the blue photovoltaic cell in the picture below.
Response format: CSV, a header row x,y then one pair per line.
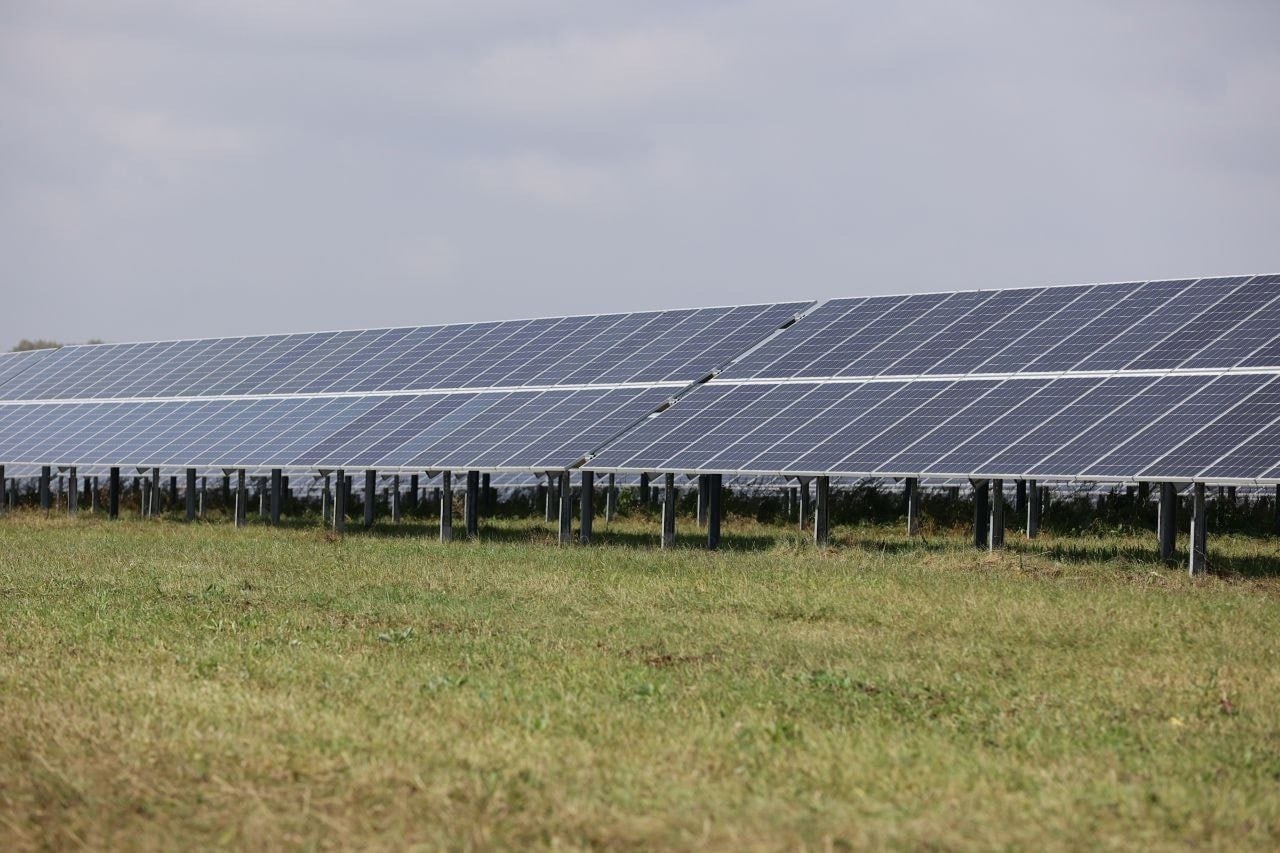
x,y
403,431
1076,341
660,438
1183,419
872,456
831,451
825,333
1225,433
1027,333
1127,419
1262,449
824,411
1148,316
1237,335
733,440
989,310
14,363
972,456
1060,429
983,410
863,354
1203,331
670,346
1004,319
918,333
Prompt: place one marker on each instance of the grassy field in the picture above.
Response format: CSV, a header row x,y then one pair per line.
x,y
165,685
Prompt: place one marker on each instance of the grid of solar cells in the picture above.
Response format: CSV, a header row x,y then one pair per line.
x,y
1072,427
14,363
535,430
954,431
1215,323
1023,452
1183,418
660,346
1229,432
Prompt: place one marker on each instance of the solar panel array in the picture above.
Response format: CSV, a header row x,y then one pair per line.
x,y
1161,380
521,395
1158,380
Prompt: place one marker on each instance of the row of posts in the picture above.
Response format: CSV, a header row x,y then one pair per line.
x,y
989,523
988,504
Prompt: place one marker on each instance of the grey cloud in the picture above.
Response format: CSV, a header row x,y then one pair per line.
x,y
230,167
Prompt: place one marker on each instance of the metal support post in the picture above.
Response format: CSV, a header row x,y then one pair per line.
x,y
1034,499
471,504
277,494
551,501
242,499
486,494
93,496
997,515
669,511
370,496
702,501
1167,522
566,510
204,496
913,506
446,506
822,512
73,492
644,489
45,495
413,494
713,511
326,507
156,491
1198,562
113,494
341,489
191,494
806,502
587,507
395,498
981,510
4,492
1020,499
610,499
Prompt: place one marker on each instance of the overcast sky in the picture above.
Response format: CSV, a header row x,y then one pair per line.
x,y
238,166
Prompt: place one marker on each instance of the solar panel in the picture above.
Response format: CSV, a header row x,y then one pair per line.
x,y
1070,427
1157,380
1205,323
652,347
527,394
534,430
14,363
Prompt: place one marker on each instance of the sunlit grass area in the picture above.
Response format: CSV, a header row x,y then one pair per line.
x,y
168,685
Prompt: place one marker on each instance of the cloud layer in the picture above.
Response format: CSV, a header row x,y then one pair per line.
x,y
231,167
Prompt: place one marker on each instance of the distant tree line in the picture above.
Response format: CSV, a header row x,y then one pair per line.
x,y
26,345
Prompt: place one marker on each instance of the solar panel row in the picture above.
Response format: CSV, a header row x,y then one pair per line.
x,y
1094,428
1217,323
1156,380
518,429
652,347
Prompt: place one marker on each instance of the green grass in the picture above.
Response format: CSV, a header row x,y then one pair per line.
x,y
165,685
